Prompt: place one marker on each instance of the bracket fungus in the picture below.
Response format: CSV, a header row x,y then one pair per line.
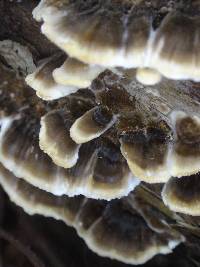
x,y
115,114
182,195
43,82
91,125
152,125
75,73
114,229
105,142
60,75
160,35
144,120
90,174
55,140
84,139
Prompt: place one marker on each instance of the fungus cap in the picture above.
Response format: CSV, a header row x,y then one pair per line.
x,y
113,230
131,34
93,176
42,81
75,73
55,140
91,125
182,194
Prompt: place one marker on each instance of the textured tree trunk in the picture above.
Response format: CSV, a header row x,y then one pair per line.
x,y
38,241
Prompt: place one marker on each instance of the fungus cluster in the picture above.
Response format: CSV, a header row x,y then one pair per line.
x,y
117,109
114,229
162,36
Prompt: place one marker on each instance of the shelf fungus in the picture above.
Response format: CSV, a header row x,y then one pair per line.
x,y
182,195
75,73
102,142
112,229
115,114
156,127
162,36
43,82
55,140
91,176
46,156
60,75
91,125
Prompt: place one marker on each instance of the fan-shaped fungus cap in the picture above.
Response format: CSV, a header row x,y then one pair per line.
x,y
186,151
182,194
55,140
164,150
177,156
146,151
148,76
154,34
114,229
36,201
91,125
43,82
75,73
100,172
